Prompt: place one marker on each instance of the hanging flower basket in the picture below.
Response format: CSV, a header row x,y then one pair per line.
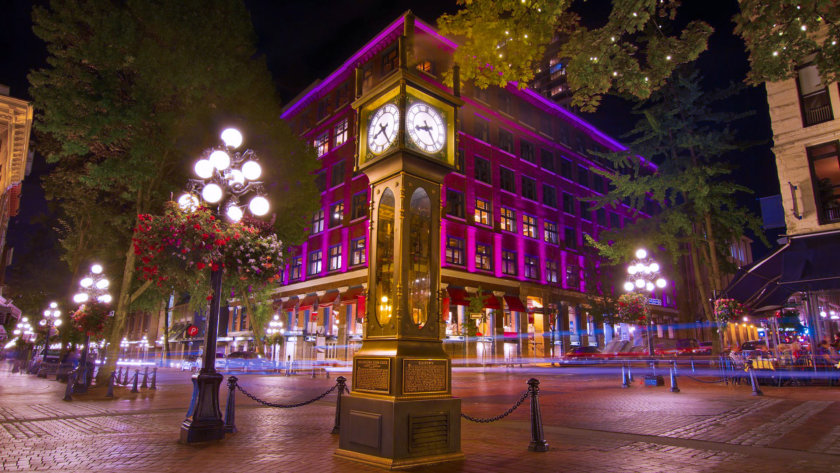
x,y
91,317
255,256
727,310
633,308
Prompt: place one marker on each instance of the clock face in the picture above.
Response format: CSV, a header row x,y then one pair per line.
x,y
426,127
383,127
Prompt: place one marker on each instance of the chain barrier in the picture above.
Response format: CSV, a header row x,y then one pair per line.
x,y
284,406
499,417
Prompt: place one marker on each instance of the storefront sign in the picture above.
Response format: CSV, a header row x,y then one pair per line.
x,y
424,376
372,375
654,301
192,330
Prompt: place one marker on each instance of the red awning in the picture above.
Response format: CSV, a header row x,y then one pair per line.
x,y
457,296
351,296
360,309
308,302
328,299
445,309
290,304
515,303
492,302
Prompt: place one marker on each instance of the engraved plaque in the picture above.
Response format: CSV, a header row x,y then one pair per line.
x,y
372,375
425,376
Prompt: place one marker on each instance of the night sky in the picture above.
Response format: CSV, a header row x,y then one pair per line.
x,y
306,40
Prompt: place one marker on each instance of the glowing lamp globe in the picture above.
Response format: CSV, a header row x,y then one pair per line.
x,y
628,286
46,313
632,269
86,282
96,269
251,170
236,177
53,305
188,202
42,322
104,298
219,160
232,137
212,193
203,168
641,253
640,283
56,313
102,283
234,213
58,323
661,282
258,206
654,267
649,286
80,297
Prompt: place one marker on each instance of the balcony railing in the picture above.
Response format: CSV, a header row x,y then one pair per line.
x,y
816,108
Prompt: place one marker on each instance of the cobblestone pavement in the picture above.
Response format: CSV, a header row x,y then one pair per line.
x,y
590,422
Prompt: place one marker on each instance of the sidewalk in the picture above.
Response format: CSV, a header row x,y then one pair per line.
x,y
591,424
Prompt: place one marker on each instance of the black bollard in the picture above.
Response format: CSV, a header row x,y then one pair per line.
x,y
538,443
71,380
145,384
134,387
674,364
230,409
629,373
674,387
692,364
341,387
624,383
154,379
125,378
754,382
111,378
119,373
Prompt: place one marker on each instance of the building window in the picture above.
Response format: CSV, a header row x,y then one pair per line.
x,y
570,238
318,222
389,60
549,195
615,221
340,133
482,170
509,263
483,213
547,160
507,180
321,180
322,143
506,140
599,184
314,267
295,268
336,214
427,67
584,210
482,130
572,276
508,220
454,251
454,203
481,94
583,176
504,101
569,203
813,97
825,174
360,205
337,174
322,109
357,251
601,217
335,257
483,257
532,270
550,232
551,271
529,226
529,188
526,151
566,169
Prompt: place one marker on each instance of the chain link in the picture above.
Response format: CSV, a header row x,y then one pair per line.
x,y
499,417
703,381
284,406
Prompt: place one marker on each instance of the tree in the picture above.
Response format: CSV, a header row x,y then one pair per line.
x,y
133,91
633,53
782,34
698,216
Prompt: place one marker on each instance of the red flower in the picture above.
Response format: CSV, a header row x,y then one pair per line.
x,y
200,265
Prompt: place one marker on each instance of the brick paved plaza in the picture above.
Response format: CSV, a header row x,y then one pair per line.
x,y
591,424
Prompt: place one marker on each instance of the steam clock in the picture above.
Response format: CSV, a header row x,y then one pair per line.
x,y
401,412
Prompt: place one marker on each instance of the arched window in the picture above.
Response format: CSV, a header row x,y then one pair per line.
x,y
384,300
420,242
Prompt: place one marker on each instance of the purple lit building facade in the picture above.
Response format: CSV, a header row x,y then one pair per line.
x,y
513,226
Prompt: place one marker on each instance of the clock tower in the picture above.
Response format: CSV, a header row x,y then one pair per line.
x,y
401,412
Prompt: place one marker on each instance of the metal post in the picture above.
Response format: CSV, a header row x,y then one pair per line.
x,y
629,372
154,379
145,379
674,364
230,408
134,387
674,387
692,364
119,374
111,384
125,379
624,377
79,388
755,389
538,443
71,380
341,386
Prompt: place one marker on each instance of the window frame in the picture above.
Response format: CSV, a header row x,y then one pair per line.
x,y
315,261
503,173
453,252
483,259
459,201
509,263
507,220
483,214
336,207
551,233
358,255
317,222
334,259
529,226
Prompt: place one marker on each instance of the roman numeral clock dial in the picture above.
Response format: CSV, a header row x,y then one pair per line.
x,y
383,128
425,127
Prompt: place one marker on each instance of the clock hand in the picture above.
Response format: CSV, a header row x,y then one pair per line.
x,y
383,128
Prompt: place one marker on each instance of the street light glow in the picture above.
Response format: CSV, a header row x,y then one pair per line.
x,y
86,282
96,269
203,168
188,202
102,283
234,213
258,206
80,297
232,137
53,305
212,193
640,283
57,323
628,286
641,253
220,160
251,170
104,298
661,282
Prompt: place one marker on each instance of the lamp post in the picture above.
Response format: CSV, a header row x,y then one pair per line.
x,y
275,326
225,178
51,319
23,330
93,286
643,275
125,348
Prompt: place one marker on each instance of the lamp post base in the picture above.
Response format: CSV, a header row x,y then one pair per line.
x,y
204,419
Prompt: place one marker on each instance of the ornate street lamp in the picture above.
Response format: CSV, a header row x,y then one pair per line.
x,y
93,286
51,319
23,330
227,178
643,275
275,326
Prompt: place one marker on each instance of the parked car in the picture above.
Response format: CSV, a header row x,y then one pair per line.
x,y
703,349
622,349
190,363
244,361
583,353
